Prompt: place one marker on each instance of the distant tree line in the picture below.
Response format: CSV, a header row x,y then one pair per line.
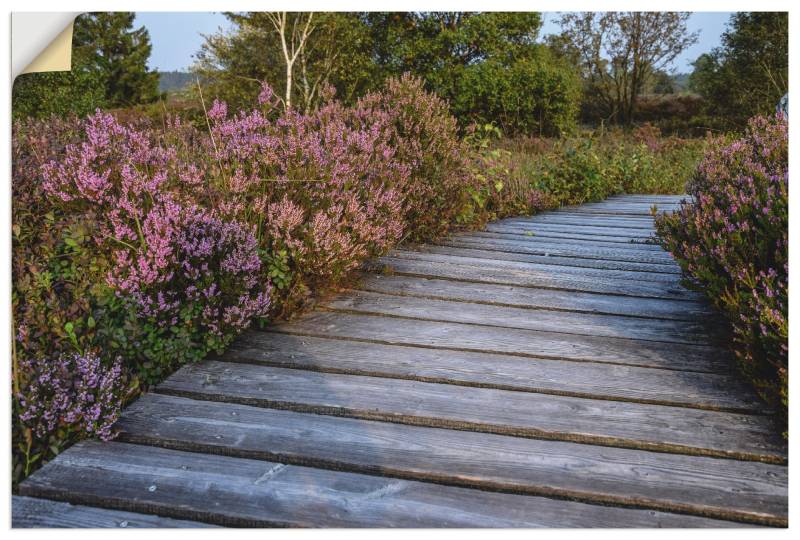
x,y
492,67
109,70
174,81
489,66
749,72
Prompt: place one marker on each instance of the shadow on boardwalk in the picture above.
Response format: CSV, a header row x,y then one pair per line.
x,y
547,372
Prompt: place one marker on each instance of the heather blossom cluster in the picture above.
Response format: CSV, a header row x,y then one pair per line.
x,y
185,270
159,242
733,239
72,391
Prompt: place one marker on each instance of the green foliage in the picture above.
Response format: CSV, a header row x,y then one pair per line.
x,y
109,69
536,95
56,274
749,73
594,165
40,95
498,191
106,43
174,81
487,65
233,64
619,54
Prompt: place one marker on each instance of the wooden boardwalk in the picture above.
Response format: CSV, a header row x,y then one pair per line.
x,y
550,371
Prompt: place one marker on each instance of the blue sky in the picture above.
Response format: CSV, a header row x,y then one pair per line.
x,y
176,37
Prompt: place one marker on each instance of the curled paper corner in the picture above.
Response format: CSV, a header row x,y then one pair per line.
x,y
41,42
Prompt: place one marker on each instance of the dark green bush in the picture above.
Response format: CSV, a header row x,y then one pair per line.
x,y
537,95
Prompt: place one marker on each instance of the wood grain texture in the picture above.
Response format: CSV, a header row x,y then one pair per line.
x,y
524,343
703,486
609,423
656,386
642,268
507,317
528,297
588,231
563,240
254,493
627,209
641,226
532,278
556,235
561,250
489,259
30,513
550,371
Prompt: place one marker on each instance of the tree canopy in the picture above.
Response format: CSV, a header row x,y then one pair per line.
x,y
749,72
109,69
618,54
488,66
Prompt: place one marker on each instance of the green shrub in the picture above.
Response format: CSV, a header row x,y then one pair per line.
x,y
537,95
594,165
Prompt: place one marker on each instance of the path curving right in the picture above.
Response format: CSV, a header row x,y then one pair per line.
x,y
550,371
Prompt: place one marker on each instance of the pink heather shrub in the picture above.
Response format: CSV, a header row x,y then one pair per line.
x,y
72,392
196,271
425,134
160,244
189,275
733,239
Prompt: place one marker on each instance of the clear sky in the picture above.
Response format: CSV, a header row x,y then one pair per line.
x,y
176,37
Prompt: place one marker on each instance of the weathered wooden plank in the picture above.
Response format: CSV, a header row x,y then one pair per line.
x,y
561,250
629,210
601,232
649,197
567,222
637,208
614,207
528,343
253,493
642,226
523,414
614,212
632,214
489,260
656,386
509,295
531,278
626,203
427,309
568,238
551,260
28,513
723,489
573,221
539,239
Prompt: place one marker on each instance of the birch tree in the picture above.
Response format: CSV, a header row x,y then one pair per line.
x,y
293,31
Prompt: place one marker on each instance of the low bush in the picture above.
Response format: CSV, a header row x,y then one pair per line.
x,y
500,188
141,245
732,239
597,164
539,95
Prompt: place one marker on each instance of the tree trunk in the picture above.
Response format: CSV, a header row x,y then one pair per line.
x,y
289,65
